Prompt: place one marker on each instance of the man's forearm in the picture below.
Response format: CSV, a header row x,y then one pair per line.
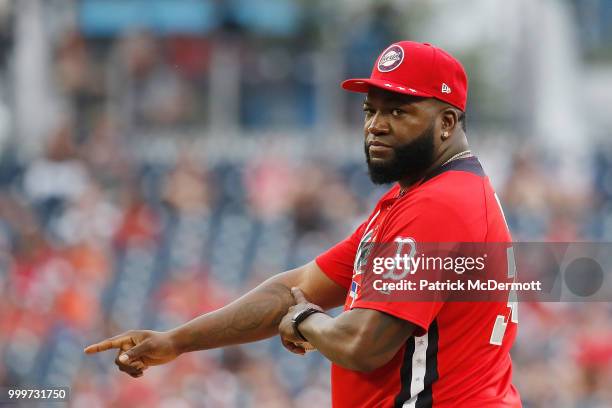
x,y
332,338
359,339
254,316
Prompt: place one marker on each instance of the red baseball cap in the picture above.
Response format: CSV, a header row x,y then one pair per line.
x,y
418,69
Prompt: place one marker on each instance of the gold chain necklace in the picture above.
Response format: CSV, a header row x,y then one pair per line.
x,y
461,155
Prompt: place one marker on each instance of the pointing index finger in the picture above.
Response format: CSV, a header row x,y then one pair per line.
x,y
112,343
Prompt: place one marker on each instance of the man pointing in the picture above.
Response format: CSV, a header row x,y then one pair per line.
x,y
383,354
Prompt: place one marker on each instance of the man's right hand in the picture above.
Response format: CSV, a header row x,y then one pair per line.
x,y
138,349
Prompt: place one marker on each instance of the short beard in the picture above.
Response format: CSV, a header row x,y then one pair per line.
x,y
410,159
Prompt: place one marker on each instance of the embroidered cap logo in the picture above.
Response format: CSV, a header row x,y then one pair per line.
x,y
391,58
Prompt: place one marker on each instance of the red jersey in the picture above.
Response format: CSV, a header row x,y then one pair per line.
x,y
460,354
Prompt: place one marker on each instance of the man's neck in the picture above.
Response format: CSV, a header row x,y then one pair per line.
x,y
413,179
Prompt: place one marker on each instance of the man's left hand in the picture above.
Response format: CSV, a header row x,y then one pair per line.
x,y
290,339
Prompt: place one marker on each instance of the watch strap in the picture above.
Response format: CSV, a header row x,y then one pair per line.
x,y
301,316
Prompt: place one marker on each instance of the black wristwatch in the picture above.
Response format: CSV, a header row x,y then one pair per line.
x,y
300,316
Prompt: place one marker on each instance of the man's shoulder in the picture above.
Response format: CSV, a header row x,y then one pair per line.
x,y
450,198
460,186
469,167
451,189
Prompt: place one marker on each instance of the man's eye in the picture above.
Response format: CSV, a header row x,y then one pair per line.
x,y
397,112
368,111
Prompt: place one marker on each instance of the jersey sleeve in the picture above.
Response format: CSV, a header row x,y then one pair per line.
x,y
337,262
427,221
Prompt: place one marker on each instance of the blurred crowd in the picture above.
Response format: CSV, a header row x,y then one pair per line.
x,y
98,236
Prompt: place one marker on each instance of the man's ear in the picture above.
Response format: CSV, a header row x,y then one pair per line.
x,y
450,120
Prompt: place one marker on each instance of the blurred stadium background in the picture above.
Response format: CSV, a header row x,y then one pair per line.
x,y
160,157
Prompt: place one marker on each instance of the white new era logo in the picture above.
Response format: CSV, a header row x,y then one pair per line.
x,y
446,88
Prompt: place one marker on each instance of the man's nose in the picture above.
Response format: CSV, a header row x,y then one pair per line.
x,y
378,125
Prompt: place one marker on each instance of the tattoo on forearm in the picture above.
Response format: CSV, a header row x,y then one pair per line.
x,y
279,302
251,315
265,312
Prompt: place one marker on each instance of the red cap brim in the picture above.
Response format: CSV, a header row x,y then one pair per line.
x,y
363,85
